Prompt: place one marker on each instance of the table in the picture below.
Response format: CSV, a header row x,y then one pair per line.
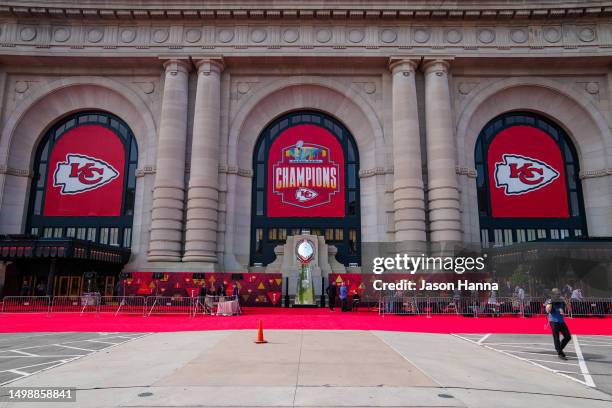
x,y
228,308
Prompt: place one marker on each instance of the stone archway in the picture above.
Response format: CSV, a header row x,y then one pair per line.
x,y
25,126
274,100
573,111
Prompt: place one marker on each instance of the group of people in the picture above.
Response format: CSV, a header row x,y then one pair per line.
x,y
221,290
333,292
39,290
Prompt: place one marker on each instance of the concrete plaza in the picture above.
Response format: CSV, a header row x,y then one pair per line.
x,y
325,369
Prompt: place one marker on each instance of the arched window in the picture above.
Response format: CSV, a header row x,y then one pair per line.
x,y
306,176
85,180
528,181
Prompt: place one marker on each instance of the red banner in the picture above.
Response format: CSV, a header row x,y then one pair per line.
x,y
85,173
526,175
254,289
306,174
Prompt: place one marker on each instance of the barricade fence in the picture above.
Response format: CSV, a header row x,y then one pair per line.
x,y
225,305
493,307
26,304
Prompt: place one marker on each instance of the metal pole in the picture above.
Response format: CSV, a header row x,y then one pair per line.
x,y
51,277
322,291
287,291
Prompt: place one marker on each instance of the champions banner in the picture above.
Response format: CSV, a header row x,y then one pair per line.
x,y
85,173
306,174
526,175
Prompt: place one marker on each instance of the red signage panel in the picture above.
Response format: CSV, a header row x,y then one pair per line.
x,y
85,173
526,175
305,174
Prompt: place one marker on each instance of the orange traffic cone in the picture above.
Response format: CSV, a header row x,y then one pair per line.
x,y
260,337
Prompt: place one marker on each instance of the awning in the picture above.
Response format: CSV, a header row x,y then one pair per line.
x,y
21,247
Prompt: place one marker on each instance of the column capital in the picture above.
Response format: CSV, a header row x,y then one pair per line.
x,y
174,65
403,64
206,65
436,64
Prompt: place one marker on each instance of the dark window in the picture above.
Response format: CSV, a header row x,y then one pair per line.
x,y
114,230
268,232
514,228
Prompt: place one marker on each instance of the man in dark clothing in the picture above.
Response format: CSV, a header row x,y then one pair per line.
x,y
332,292
356,300
555,308
343,296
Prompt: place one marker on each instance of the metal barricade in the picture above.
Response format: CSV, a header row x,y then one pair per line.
x,y
497,306
590,307
26,304
533,306
76,304
443,305
122,304
469,306
169,305
398,305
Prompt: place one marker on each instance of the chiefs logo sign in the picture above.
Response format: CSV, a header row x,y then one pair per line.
x,y
526,175
80,173
305,174
306,177
519,174
85,175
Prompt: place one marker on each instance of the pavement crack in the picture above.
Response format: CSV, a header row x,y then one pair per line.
x,y
297,375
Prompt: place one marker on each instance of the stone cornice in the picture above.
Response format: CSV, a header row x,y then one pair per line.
x,y
175,39
586,174
14,172
317,10
377,171
236,170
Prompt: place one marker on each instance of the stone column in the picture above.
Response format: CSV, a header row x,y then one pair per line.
x,y
443,191
408,196
203,193
169,189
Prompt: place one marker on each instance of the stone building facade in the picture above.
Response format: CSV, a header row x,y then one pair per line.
x,y
414,84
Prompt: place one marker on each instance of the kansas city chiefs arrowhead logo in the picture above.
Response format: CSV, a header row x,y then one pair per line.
x,y
80,173
519,174
305,194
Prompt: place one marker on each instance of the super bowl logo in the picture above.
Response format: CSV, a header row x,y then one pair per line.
x,y
80,173
305,176
520,174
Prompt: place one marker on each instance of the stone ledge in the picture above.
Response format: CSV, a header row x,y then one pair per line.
x,y
586,174
15,172
330,10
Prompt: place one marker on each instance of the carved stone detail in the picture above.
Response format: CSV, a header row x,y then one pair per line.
x,y
228,38
145,170
466,171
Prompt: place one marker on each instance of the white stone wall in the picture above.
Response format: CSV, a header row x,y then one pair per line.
x,y
448,78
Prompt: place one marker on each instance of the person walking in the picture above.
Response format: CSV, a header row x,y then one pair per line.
x,y
343,295
332,292
555,308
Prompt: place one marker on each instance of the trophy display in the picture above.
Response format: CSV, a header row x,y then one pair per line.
x,y
305,251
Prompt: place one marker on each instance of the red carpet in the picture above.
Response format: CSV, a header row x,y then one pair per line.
x,y
293,319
